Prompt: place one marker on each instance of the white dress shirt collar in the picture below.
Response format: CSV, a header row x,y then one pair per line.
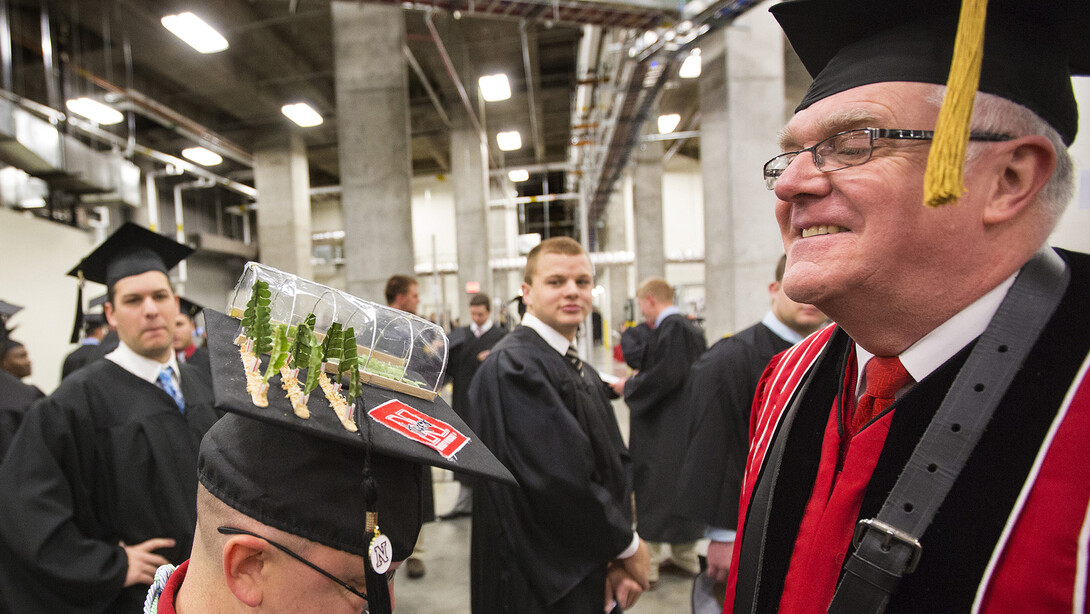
x,y
551,336
939,345
480,330
666,312
141,366
782,330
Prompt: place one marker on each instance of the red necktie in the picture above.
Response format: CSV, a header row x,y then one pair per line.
x,y
885,376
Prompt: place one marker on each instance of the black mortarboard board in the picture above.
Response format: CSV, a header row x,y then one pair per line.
x,y
188,307
1031,49
305,476
7,310
130,250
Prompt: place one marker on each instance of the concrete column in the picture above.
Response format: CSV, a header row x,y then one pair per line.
x,y
647,194
282,179
469,179
615,241
374,146
741,112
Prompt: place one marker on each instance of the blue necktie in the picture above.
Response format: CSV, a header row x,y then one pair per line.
x,y
166,382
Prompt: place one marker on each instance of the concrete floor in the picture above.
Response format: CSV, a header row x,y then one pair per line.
x,y
445,587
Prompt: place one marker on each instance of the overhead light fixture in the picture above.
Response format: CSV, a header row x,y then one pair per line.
x,y
101,114
195,32
509,141
518,175
690,68
202,156
302,114
667,123
495,87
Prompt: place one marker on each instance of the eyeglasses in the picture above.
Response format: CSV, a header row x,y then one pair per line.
x,y
292,554
854,147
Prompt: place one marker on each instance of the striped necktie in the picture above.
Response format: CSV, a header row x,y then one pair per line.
x,y
573,359
166,382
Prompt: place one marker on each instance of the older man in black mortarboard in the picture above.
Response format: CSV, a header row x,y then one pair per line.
x,y
99,487
928,451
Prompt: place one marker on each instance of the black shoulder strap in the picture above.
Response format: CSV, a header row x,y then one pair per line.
x,y
887,547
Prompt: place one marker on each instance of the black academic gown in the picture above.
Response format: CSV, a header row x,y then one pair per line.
x,y
15,398
544,546
659,427
201,363
106,458
79,357
463,365
721,387
973,517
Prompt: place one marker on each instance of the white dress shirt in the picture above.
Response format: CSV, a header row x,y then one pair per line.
x,y
143,367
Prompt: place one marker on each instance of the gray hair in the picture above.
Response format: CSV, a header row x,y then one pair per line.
x,y
996,114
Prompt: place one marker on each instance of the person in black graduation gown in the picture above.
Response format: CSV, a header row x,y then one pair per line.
x,y
552,544
720,390
95,328
654,394
99,483
15,396
186,348
470,345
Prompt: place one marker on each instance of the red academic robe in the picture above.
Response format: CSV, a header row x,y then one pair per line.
x,y
1008,538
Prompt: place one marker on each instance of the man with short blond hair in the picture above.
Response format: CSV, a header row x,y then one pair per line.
x,y
564,539
655,394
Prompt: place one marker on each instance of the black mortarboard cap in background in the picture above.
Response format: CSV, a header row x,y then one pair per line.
x,y
188,307
6,311
305,476
130,250
1031,49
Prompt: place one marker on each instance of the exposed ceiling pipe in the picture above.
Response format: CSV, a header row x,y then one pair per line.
x,y
535,129
185,126
429,17
427,84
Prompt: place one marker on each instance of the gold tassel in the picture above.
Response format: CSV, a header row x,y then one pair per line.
x,y
943,181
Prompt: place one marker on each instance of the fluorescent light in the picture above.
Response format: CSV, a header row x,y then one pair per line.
x,y
518,175
509,141
667,123
95,111
495,87
302,114
195,32
202,156
690,68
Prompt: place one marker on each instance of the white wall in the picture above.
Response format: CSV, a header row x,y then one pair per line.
x,y
36,256
1073,231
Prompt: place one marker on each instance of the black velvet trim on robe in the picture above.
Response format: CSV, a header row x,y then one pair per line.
x,y
959,543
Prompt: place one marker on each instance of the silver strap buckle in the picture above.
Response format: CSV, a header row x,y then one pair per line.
x,y
890,533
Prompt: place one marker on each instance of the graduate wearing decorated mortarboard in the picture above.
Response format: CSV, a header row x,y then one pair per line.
x,y
99,486
927,451
15,395
314,513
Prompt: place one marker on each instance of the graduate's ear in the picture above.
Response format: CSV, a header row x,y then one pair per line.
x,y
108,311
244,568
526,300
774,289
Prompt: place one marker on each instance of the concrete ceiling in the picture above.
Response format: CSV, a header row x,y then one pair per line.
x,y
281,51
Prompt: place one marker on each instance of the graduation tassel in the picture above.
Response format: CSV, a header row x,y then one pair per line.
x,y
944,178
79,308
379,547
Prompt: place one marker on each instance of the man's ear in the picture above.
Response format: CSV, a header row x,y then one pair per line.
x,y
773,289
1025,166
108,311
526,294
244,568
